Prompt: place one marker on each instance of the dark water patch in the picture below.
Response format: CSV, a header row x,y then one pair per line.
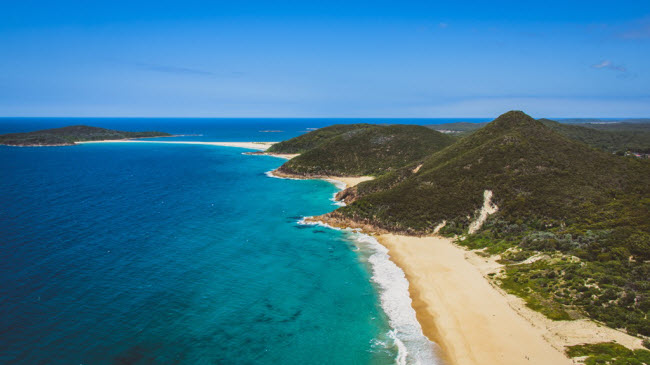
x,y
302,226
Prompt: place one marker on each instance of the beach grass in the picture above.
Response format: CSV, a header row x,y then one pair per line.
x,y
609,353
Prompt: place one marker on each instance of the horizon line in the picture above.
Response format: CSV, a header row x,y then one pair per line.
x,y
180,117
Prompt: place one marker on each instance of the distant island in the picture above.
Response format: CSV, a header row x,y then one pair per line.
x,y
68,136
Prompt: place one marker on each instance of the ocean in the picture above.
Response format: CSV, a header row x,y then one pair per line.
x,y
188,254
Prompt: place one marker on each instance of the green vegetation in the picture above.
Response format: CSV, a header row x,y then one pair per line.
x,y
316,138
588,211
581,272
536,175
638,124
362,150
613,292
609,353
609,140
458,128
69,135
632,135
580,214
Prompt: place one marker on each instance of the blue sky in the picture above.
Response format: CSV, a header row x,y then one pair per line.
x,y
328,59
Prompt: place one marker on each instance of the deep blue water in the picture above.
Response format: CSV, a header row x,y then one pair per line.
x,y
183,254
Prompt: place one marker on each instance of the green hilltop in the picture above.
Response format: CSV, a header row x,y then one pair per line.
x,y
609,140
360,149
315,138
67,136
632,135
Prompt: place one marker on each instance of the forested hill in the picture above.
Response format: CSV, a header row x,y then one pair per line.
x,y
611,141
587,211
69,135
360,149
316,138
609,136
534,173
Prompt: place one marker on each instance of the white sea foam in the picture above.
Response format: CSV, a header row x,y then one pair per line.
x,y
337,202
339,184
320,224
270,174
412,345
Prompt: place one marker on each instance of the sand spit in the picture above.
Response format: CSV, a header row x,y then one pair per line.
x,y
262,146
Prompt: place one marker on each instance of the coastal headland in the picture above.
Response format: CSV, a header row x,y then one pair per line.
x,y
461,309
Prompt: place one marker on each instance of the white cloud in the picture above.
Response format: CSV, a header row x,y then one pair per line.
x,y
608,65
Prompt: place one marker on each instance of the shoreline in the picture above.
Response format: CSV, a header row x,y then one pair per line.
x,y
457,306
467,314
413,346
395,299
342,182
460,311
451,291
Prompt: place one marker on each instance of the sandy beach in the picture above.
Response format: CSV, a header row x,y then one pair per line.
x,y
342,181
475,322
287,156
349,181
459,309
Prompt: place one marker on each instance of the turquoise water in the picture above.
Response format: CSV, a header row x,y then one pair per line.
x,y
186,254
